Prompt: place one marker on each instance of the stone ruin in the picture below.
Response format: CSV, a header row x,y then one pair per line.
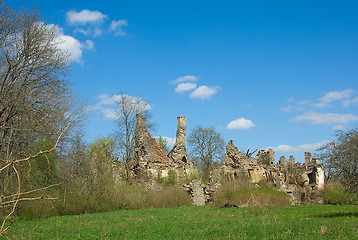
x,y
150,161
293,178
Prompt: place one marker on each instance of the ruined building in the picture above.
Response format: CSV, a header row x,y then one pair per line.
x,y
150,161
293,178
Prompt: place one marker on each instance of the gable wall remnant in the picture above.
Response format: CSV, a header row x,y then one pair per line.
x,y
149,158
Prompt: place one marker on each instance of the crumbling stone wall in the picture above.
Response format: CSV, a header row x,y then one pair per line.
x,y
296,179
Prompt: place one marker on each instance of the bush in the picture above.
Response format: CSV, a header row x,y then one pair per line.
x,y
336,194
172,177
168,197
224,191
241,193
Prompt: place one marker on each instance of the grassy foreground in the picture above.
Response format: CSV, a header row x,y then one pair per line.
x,y
302,222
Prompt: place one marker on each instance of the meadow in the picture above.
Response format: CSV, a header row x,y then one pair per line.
x,y
208,222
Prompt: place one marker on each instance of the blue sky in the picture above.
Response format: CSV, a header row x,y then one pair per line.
x,y
280,74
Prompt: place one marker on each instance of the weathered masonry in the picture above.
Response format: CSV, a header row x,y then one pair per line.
x,y
149,158
150,161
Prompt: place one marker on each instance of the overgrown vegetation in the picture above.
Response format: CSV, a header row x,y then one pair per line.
x,y
335,193
241,193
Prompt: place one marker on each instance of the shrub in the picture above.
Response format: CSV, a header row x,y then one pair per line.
x,y
241,193
223,192
168,197
131,196
172,177
335,193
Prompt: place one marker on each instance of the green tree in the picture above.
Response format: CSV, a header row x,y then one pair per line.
x,y
207,147
340,158
164,144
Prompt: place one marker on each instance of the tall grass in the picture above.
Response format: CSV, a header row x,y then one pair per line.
x,y
121,196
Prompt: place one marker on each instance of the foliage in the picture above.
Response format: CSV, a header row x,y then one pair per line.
x,y
242,193
172,177
207,147
164,144
335,193
340,158
169,197
301,222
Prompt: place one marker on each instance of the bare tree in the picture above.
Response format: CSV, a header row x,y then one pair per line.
x,y
128,108
207,147
340,158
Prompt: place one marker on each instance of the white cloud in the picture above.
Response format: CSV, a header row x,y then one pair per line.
x,y
334,96
116,27
327,118
71,46
348,102
300,148
182,87
109,113
240,124
83,31
204,92
85,16
105,102
171,141
105,99
187,78
89,44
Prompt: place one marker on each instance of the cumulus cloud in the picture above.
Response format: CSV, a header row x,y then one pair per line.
x,y
107,104
240,124
187,78
92,23
204,92
327,118
72,47
182,87
105,99
117,27
84,17
89,45
300,148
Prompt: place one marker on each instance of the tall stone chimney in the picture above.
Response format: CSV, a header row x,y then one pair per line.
x,y
140,131
179,150
291,161
308,158
181,132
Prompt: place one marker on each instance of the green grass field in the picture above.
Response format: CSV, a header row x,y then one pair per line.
x,y
301,222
